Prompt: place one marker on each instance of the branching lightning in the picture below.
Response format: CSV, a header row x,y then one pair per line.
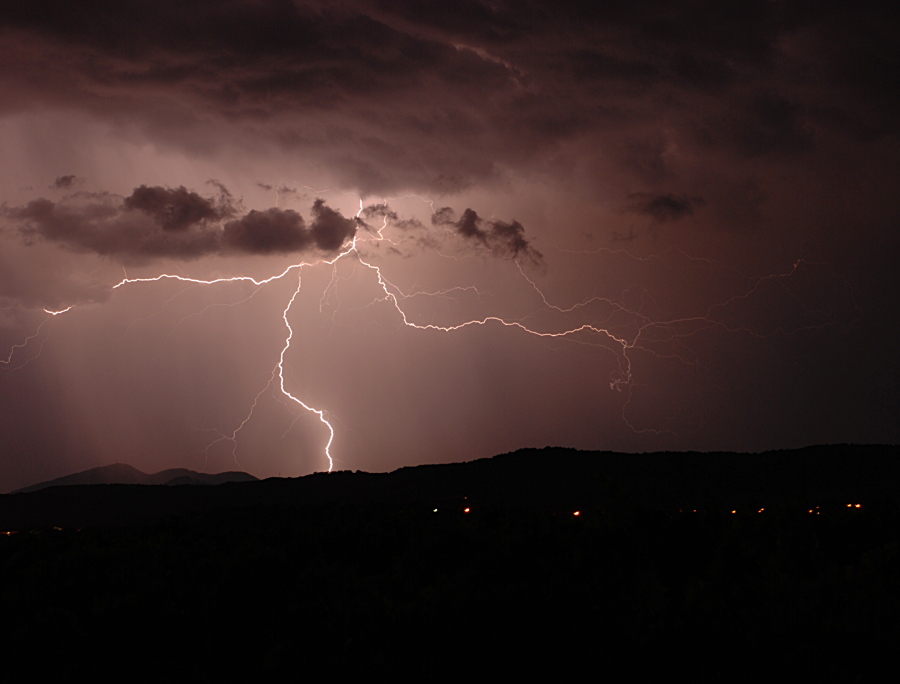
x,y
21,346
585,332
8,361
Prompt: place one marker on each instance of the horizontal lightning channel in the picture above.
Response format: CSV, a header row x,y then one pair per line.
x,y
393,294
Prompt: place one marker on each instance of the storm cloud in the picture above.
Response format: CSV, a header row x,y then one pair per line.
x,y
712,187
664,207
329,229
176,209
268,232
106,225
284,231
64,182
392,95
175,223
500,237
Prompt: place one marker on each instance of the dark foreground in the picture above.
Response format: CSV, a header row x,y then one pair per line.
x,y
356,574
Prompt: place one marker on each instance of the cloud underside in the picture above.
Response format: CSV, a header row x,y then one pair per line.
x,y
156,222
177,223
392,95
664,207
500,237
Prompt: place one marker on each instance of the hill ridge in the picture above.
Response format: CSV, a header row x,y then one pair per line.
x,y
123,473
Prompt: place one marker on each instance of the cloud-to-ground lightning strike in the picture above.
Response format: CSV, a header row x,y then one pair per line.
x,y
8,361
623,345
284,390
278,370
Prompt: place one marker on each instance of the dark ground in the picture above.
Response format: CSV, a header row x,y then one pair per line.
x,y
356,574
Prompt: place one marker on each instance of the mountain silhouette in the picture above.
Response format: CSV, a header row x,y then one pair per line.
x,y
122,473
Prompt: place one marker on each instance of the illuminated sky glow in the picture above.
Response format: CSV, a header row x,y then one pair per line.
x,y
272,235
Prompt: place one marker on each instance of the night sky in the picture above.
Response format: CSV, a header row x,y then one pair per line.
x,y
674,226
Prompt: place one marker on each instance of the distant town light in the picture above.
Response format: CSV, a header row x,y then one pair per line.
x,y
466,510
577,513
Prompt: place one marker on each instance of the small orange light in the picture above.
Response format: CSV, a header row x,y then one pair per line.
x,y
858,506
760,510
577,513
734,511
466,510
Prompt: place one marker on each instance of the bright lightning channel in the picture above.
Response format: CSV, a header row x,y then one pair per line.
x,y
33,336
393,294
279,367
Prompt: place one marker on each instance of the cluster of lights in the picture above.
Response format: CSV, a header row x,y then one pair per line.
x,y
576,514
816,510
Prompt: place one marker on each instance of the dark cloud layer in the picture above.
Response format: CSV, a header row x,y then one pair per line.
x,y
268,232
713,182
104,224
502,238
329,229
157,222
177,223
664,207
439,96
283,231
64,182
175,209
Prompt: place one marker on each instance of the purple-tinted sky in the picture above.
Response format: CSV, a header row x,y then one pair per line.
x,y
699,199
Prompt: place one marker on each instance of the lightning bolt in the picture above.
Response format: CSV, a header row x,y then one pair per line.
x,y
278,370
22,345
594,333
14,349
287,344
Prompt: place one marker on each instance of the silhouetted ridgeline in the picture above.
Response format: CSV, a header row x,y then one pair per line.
x,y
355,574
122,473
551,479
